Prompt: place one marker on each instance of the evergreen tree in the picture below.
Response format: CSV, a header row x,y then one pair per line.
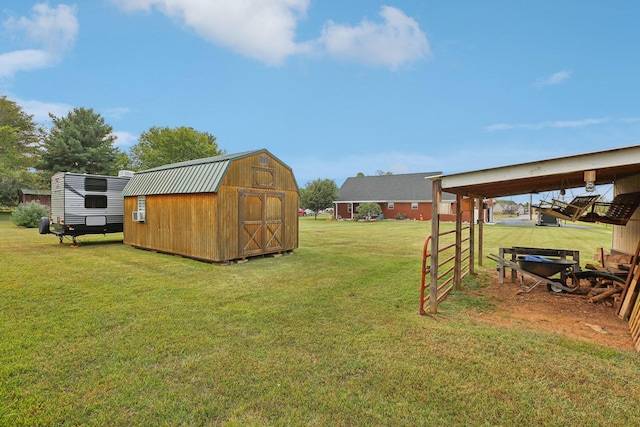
x,y
80,142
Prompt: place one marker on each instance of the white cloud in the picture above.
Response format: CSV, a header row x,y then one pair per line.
x,y
501,126
266,30
53,30
261,29
125,140
116,112
554,79
40,110
395,41
577,123
630,120
558,124
24,60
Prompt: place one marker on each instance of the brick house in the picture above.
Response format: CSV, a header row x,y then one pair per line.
x,y
398,195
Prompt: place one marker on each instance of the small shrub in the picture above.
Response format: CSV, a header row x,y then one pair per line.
x,y
28,215
401,216
369,210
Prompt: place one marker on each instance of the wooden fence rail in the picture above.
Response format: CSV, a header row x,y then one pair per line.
x,y
447,279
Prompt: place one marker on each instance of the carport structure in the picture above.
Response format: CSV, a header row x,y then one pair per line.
x,y
619,167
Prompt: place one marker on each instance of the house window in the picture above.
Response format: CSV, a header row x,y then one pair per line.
x,y
142,203
95,184
92,201
390,206
414,206
349,207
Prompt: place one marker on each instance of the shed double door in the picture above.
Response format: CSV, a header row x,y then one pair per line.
x,y
261,222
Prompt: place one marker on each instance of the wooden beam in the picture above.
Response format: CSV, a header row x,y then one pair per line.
x,y
625,303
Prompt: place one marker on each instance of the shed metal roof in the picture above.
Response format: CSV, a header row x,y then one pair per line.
x,y
192,176
412,187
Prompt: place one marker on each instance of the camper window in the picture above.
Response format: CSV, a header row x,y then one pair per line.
x,y
95,184
95,202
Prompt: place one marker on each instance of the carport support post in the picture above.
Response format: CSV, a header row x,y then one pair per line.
x,y
457,271
472,234
435,237
480,228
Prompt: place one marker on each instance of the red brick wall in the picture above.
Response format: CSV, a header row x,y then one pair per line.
x,y
422,213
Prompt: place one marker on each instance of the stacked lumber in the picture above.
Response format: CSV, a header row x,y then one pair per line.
x,y
607,292
629,307
613,263
634,326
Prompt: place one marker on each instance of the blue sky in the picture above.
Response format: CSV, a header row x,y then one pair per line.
x,y
334,88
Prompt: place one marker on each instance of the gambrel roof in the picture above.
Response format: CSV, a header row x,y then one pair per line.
x,y
192,176
411,187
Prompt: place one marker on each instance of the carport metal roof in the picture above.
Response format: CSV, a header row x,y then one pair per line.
x,y
545,175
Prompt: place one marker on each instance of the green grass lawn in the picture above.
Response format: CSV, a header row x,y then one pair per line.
x,y
105,334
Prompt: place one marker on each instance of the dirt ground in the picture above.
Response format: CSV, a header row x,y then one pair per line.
x,y
569,314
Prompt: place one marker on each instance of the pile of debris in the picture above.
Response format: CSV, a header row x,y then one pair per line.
x,y
625,301
608,291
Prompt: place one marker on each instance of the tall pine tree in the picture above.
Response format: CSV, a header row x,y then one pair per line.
x,y
80,142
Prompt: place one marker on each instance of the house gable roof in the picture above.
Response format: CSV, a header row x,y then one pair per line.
x,y
412,187
193,176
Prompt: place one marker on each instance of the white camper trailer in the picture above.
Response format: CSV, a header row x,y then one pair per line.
x,y
85,204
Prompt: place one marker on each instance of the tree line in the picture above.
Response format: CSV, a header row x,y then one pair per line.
x,y
83,142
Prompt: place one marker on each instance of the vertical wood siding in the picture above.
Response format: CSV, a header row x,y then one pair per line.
x,y
208,226
180,224
625,238
44,200
226,228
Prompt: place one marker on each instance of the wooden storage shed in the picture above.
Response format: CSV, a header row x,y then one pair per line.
x,y
27,195
214,209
